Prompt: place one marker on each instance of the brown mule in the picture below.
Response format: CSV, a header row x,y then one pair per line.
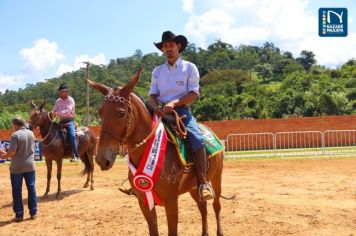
x,y
125,120
53,146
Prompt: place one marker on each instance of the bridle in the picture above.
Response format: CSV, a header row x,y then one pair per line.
x,y
122,140
50,128
119,99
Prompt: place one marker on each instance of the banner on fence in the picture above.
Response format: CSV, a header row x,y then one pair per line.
x,y
37,148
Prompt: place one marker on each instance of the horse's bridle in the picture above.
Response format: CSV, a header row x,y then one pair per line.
x,y
50,129
122,140
119,99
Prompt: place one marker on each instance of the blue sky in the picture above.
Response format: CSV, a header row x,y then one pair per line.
x,y
42,39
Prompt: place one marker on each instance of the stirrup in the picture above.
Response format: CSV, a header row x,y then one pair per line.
x,y
127,191
209,188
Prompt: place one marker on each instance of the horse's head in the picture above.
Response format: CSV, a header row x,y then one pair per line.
x,y
116,120
37,115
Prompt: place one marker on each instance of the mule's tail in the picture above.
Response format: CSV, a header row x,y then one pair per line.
x,y
88,156
88,164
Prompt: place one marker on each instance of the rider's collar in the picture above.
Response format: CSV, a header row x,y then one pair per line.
x,y
176,64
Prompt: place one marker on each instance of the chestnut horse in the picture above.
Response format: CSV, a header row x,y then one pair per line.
x,y
126,120
53,146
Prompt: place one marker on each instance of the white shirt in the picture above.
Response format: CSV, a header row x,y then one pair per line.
x,y
173,82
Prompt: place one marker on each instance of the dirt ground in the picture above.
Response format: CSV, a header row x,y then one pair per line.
x,y
273,197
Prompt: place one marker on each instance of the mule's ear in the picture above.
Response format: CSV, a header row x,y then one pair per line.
x,y
43,104
128,88
103,89
33,105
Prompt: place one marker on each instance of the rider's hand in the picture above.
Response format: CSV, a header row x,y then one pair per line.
x,y
168,108
158,112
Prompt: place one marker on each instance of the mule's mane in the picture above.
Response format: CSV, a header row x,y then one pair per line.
x,y
145,103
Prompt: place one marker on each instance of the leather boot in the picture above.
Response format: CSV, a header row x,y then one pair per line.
x,y
206,191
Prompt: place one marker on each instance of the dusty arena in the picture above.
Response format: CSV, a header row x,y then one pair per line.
x,y
273,197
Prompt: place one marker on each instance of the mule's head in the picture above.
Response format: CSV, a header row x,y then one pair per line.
x,y
116,120
37,115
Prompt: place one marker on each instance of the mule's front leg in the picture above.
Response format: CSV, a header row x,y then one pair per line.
x,y
172,216
150,216
59,175
49,174
92,180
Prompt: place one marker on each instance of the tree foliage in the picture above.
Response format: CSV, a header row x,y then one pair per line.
x,y
246,82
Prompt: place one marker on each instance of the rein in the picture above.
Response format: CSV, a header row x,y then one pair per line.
x,y
179,127
50,129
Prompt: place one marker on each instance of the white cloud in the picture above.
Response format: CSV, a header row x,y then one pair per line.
x,y
234,4
78,63
330,51
42,55
188,5
288,24
214,22
10,82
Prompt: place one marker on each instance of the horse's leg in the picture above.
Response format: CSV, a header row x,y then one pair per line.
x,y
216,183
86,184
49,174
151,218
84,157
203,210
91,160
92,179
172,216
59,175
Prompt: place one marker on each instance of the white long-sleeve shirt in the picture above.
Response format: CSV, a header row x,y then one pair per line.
x,y
173,82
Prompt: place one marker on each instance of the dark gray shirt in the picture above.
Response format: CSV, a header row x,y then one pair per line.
x,y
22,143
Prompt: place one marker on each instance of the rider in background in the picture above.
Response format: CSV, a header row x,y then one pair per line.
x,y
65,110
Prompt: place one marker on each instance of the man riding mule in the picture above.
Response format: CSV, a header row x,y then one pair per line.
x,y
175,85
64,108
127,121
55,147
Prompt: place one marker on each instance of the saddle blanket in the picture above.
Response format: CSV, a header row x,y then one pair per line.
x,y
213,145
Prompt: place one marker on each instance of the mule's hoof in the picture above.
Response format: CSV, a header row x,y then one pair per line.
x,y
91,188
86,185
45,194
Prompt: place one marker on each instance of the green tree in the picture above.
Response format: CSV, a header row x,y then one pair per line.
x,y
306,59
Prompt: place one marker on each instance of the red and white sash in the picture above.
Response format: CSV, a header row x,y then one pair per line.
x,y
149,168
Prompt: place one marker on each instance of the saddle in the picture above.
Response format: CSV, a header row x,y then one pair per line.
x,y
177,134
63,126
63,132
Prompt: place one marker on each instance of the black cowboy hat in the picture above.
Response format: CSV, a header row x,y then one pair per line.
x,y
168,36
63,86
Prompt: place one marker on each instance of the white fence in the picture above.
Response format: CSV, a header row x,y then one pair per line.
x,y
298,143
339,142
250,141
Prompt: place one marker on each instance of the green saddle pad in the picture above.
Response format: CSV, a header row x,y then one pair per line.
x,y
213,145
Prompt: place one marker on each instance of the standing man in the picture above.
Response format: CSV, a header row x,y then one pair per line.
x,y
21,152
65,110
175,85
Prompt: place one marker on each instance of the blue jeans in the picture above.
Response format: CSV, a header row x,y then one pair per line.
x,y
70,127
194,135
16,183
